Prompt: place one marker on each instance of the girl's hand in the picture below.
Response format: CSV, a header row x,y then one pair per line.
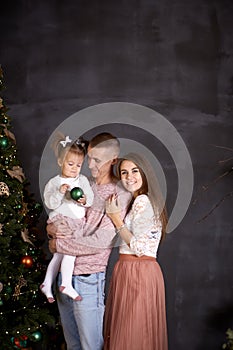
x,y
64,188
82,200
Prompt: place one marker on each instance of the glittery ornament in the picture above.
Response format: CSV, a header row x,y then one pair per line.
x,y
21,283
4,189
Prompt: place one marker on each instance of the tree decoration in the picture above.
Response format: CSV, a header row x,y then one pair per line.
x,y
21,283
4,189
76,193
27,261
37,336
20,342
10,135
25,236
4,142
17,173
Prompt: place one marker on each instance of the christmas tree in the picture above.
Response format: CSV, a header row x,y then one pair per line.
x,y
24,313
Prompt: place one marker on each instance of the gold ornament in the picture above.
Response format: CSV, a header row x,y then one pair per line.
x,y
10,135
1,226
17,172
25,236
22,282
4,189
1,105
24,210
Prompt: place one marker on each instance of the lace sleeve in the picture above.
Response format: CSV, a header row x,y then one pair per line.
x,y
146,228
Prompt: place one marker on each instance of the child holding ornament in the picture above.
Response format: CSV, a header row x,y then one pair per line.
x,y
67,194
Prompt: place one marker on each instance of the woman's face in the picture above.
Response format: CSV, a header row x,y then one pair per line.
x,y
130,176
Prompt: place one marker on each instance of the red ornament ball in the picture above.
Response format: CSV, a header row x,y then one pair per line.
x,y
27,261
19,342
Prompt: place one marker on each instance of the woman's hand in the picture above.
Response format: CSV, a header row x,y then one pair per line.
x,y
112,205
113,209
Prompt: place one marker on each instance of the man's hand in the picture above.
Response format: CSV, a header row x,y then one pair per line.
x,y
52,246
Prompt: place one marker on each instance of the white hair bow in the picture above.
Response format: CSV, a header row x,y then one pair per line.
x,y
67,140
80,142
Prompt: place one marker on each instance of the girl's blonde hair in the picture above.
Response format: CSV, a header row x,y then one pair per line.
x,y
62,145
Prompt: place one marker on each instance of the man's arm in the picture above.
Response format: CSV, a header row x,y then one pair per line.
x,y
102,238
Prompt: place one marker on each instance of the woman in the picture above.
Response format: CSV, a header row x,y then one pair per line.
x,y
135,315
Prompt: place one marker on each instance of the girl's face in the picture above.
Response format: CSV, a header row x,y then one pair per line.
x,y
130,176
71,165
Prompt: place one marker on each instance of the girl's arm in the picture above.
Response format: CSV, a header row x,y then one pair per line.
x,y
52,196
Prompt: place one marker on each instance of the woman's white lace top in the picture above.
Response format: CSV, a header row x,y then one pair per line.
x,y
146,228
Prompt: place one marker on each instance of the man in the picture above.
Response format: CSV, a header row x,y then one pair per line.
x,y
82,321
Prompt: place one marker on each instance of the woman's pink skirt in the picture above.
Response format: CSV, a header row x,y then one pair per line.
x,y
135,314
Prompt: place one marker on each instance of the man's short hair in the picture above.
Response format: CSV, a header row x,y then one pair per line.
x,y
107,140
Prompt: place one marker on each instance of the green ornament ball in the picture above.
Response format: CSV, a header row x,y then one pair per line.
x,y
8,289
76,193
38,207
37,336
3,142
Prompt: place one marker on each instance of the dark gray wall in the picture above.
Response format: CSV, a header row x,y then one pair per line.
x,y
174,56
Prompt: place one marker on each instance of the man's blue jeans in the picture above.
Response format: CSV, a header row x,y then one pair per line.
x,y
82,321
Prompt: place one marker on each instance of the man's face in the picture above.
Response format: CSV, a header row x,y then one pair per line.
x,y
100,160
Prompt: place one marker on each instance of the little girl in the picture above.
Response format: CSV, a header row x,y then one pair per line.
x,y
70,156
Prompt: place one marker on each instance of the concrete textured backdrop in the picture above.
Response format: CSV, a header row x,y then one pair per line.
x,y
173,56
